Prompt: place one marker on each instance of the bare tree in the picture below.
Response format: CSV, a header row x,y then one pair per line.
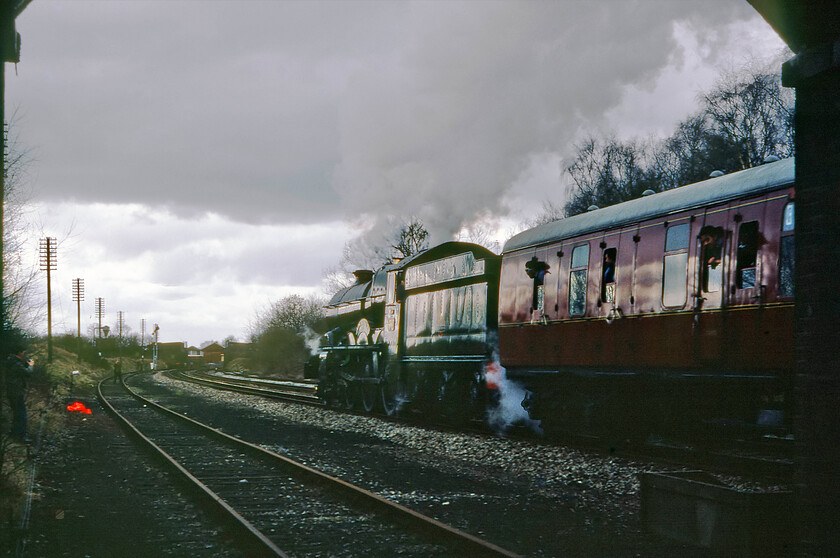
x,y
481,232
292,312
358,253
755,113
280,334
549,213
412,238
372,251
606,173
20,309
745,118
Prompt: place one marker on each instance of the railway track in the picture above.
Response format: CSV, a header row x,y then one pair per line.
x,y
301,391
766,459
276,506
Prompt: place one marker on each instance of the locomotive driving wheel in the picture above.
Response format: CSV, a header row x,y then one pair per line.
x,y
369,389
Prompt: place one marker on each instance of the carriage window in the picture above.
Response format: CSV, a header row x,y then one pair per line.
x,y
608,276
537,270
675,266
711,264
577,280
787,254
747,255
788,221
786,266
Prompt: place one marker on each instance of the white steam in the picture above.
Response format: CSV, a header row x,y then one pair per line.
x,y
508,410
312,340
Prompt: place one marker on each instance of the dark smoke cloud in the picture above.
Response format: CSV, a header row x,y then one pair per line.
x,y
449,122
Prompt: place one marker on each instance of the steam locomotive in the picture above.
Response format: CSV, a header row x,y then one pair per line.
x,y
671,313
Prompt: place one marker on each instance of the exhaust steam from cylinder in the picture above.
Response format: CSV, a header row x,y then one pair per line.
x,y
506,410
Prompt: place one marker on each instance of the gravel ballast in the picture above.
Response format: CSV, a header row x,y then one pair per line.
x,y
532,498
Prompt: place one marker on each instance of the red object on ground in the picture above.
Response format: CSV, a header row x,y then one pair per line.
x,y
80,407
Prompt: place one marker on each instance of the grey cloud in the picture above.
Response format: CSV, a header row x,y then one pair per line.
x,y
303,112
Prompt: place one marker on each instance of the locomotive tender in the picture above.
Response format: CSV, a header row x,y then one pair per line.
x,y
660,314
418,330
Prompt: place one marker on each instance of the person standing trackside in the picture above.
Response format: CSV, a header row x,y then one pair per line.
x,y
117,372
18,369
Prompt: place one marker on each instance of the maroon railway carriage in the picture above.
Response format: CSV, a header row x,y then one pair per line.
x,y
660,314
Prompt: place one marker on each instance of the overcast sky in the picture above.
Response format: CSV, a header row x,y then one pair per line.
x,y
198,160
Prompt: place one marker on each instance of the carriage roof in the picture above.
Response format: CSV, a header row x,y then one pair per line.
x,y
713,191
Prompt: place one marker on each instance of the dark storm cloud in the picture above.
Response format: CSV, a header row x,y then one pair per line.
x,y
297,111
220,106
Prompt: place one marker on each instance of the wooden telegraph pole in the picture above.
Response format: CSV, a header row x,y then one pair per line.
x,y
78,297
49,264
100,311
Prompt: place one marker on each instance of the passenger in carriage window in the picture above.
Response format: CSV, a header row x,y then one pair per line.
x,y
608,283
609,266
711,242
711,249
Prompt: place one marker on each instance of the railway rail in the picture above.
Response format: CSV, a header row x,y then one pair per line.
x,y
304,391
766,458
276,506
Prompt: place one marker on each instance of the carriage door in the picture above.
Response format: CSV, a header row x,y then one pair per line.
x,y
607,270
745,282
746,289
712,241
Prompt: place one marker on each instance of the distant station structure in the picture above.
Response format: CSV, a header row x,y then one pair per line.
x,y
812,30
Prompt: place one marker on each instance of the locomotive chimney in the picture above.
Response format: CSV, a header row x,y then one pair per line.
x,y
362,275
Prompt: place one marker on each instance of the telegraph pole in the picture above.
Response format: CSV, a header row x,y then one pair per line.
x,y
120,322
49,264
142,343
155,353
100,310
78,297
